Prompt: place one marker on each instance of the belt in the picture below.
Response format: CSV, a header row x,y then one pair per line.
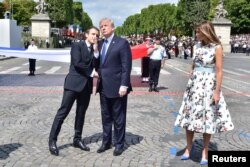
x,y
204,69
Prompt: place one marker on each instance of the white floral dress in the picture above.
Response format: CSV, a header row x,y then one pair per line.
x,y
197,112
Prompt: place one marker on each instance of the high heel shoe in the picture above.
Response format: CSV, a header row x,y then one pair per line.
x,y
204,162
184,157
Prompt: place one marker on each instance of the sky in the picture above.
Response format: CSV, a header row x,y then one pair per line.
x,y
117,10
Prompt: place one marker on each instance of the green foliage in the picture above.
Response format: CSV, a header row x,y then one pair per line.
x,y
69,15
190,13
2,10
57,13
154,19
86,21
77,11
22,10
239,14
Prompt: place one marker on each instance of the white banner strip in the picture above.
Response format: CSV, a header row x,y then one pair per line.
x,y
49,55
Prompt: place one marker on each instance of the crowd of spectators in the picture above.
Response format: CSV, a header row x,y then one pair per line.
x,y
240,43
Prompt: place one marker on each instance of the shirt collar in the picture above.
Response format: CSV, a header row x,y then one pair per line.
x,y
87,43
109,39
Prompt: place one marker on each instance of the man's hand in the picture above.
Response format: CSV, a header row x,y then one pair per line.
x,y
95,45
96,74
122,91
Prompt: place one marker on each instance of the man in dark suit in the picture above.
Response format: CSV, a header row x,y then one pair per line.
x,y
77,86
115,62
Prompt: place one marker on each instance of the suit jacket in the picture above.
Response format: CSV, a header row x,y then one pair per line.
x,y
80,69
116,68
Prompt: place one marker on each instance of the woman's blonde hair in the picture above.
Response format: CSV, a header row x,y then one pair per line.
x,y
207,29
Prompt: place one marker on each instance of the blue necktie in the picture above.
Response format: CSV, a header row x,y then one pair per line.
x,y
104,50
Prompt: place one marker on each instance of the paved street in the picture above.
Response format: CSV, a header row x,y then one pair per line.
x,y
29,104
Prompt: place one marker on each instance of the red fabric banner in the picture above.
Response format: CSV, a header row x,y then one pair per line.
x,y
139,51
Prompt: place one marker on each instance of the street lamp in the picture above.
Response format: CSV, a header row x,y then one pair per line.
x,y
11,9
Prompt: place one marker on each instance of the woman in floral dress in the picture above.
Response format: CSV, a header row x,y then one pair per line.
x,y
203,109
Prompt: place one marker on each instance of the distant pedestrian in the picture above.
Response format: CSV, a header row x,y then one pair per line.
x,y
145,62
32,62
157,54
47,43
248,49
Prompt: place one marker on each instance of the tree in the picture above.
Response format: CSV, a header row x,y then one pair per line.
x,y
190,13
154,19
22,10
86,21
239,14
77,12
57,13
69,11
2,10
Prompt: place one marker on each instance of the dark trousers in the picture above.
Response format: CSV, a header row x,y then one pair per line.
x,y
154,71
82,103
145,67
113,110
32,66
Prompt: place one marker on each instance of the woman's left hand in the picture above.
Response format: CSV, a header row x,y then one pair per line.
x,y
216,97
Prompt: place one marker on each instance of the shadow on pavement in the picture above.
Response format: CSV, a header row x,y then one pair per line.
x,y
196,153
6,149
130,139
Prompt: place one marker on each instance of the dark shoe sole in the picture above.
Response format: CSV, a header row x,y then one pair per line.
x,y
101,151
84,149
54,153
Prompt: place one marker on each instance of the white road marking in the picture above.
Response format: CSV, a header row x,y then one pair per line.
x,y
53,70
10,70
164,72
222,85
246,71
137,70
232,72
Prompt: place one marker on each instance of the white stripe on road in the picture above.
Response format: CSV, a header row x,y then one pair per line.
x,y
164,72
25,64
246,71
236,80
53,70
222,85
25,72
232,72
235,91
10,70
38,67
137,70
178,69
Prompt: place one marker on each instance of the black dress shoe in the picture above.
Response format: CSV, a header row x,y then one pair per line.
x,y
156,90
53,148
81,145
117,152
103,148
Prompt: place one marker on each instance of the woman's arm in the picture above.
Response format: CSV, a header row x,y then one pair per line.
x,y
219,73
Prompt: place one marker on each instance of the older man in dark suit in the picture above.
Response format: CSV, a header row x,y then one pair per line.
x,y
115,62
78,86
